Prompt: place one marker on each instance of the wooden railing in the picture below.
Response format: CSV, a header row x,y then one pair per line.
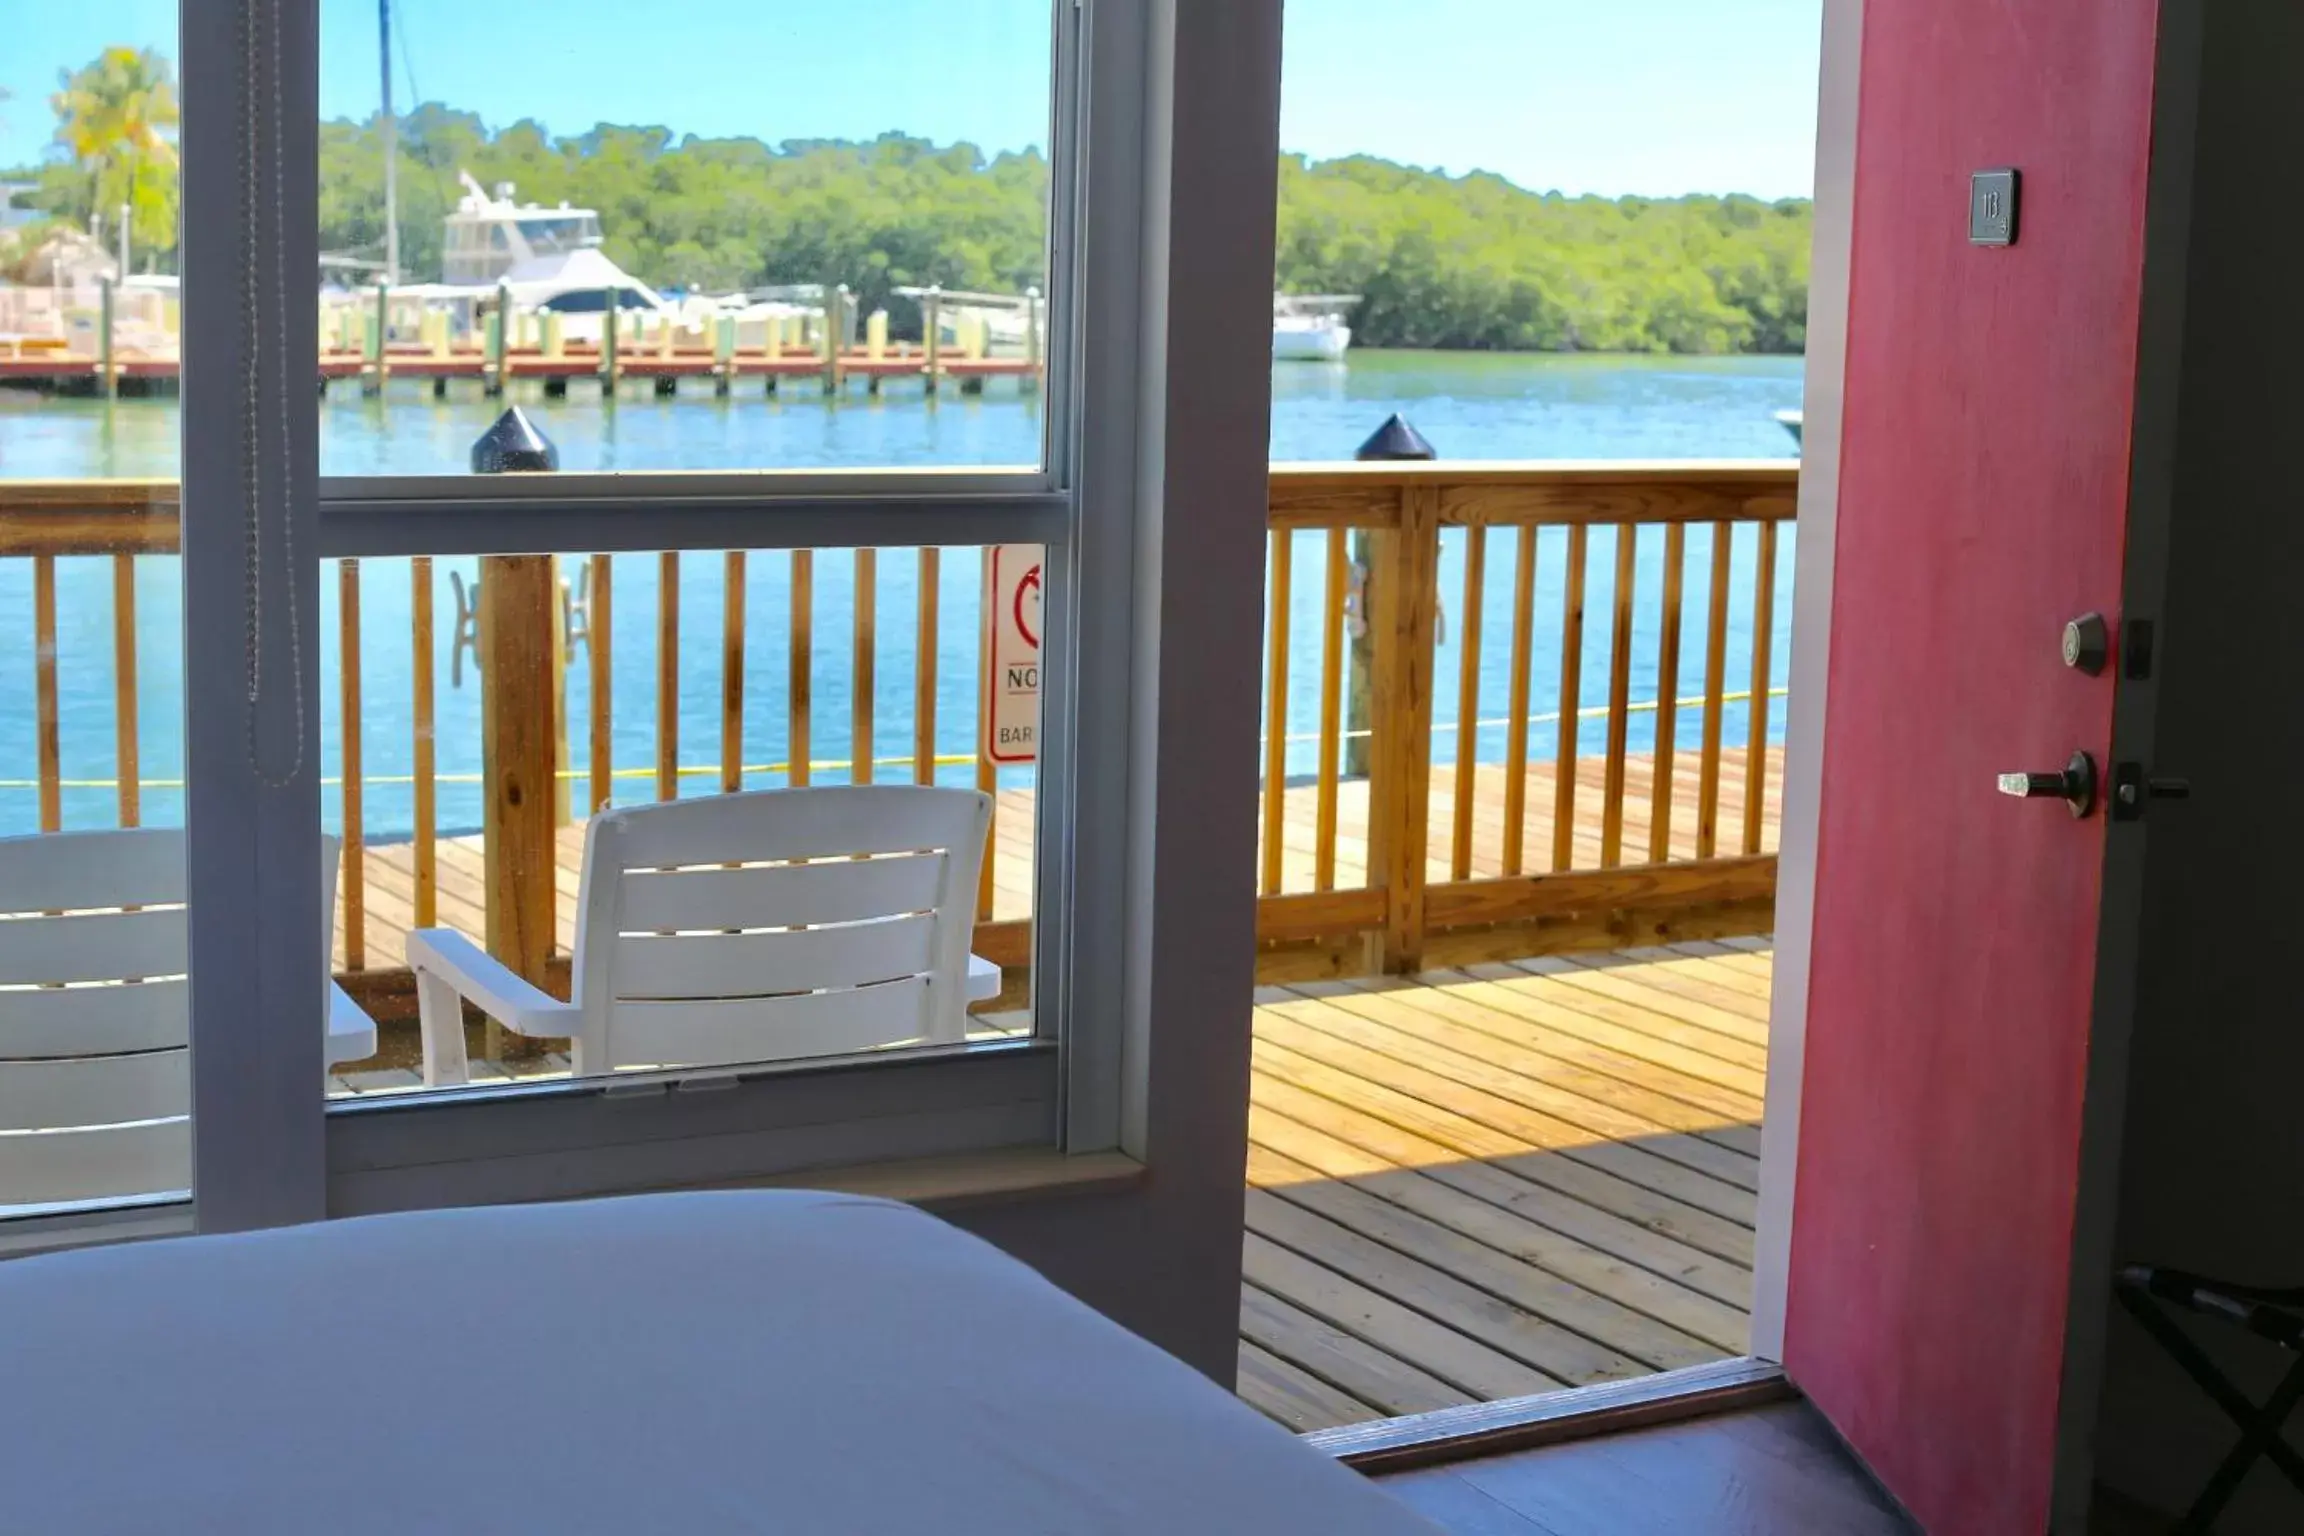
x,y
1627,853
1444,851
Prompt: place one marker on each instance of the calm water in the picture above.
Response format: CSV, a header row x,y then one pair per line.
x,y
1469,406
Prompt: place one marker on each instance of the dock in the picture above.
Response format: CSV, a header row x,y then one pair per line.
x,y
81,373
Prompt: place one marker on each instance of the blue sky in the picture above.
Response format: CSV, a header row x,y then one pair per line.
x,y
1612,96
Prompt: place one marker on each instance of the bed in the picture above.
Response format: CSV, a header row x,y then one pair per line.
x,y
741,1361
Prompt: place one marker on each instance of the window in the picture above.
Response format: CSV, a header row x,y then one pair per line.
x,y
751,568
308,534
95,1060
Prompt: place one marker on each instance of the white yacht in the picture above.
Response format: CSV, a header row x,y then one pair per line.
x,y
550,258
1310,328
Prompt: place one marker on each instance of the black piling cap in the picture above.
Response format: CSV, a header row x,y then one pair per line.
x,y
513,445
1396,440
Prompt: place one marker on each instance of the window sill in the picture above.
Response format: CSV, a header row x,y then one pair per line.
x,y
967,1179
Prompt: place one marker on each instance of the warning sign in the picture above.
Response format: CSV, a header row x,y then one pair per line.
x,y
1012,654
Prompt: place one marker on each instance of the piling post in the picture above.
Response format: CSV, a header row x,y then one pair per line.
x,y
723,354
1395,440
931,324
1033,349
610,368
497,371
378,367
835,301
519,625
106,308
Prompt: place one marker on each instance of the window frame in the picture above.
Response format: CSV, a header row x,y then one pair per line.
x,y
268,1147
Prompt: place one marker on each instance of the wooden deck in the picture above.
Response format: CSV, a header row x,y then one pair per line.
x,y
390,880
1486,1183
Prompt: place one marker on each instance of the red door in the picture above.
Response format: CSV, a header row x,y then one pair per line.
x,y
1983,502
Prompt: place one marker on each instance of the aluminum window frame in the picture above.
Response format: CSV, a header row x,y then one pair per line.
x,y
268,1148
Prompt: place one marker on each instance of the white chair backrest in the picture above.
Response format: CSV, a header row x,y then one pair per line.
x,y
776,924
95,1085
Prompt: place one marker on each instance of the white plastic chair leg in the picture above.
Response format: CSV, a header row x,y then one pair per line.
x,y
440,1015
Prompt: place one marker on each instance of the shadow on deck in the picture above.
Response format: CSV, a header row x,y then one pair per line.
x,y
1488,1183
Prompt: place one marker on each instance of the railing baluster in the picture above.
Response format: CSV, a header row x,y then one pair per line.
x,y
127,753
47,728
1763,643
1468,699
861,689
1571,697
924,669
600,655
1661,795
1516,723
1619,698
668,675
424,814
732,675
801,678
1276,718
1715,690
1332,621
352,871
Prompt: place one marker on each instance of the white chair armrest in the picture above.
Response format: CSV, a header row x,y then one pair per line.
x,y
488,984
984,980
351,1033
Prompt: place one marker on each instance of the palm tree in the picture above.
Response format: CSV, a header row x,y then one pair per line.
x,y
117,119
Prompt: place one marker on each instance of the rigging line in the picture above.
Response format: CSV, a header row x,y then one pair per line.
x,y
407,56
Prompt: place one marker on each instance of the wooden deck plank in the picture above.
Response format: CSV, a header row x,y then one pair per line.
x,y
1482,1061
1736,1090
1418,1282
1567,1142
1506,1182
1276,1177
1429,1192
1371,1316
1342,1359
1281,1389
1686,978
1639,991
1732,1062
1663,1224
1611,1175
1670,1100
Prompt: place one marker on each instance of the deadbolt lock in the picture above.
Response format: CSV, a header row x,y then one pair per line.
x,y
2087,644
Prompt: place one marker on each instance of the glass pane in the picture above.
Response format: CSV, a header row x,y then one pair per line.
x,y
94,1042
796,238
630,682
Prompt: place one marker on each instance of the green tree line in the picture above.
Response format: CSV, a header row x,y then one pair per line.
x,y
1454,262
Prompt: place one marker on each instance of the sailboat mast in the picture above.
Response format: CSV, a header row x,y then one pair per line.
x,y
391,148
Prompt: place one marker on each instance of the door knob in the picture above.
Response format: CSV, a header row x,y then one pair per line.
x,y
2074,784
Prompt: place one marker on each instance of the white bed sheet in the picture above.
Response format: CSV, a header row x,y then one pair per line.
x,y
755,1361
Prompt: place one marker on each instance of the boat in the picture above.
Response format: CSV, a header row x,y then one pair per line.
x,y
1791,422
1310,328
546,258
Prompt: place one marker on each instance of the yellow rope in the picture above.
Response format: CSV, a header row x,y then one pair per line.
x,y
835,765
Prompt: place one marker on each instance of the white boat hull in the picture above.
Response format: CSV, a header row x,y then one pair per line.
x,y
1309,344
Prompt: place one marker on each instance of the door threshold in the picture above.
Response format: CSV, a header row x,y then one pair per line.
x,y
1550,1418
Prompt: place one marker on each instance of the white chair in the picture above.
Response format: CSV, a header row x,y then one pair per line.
x,y
744,928
95,1085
